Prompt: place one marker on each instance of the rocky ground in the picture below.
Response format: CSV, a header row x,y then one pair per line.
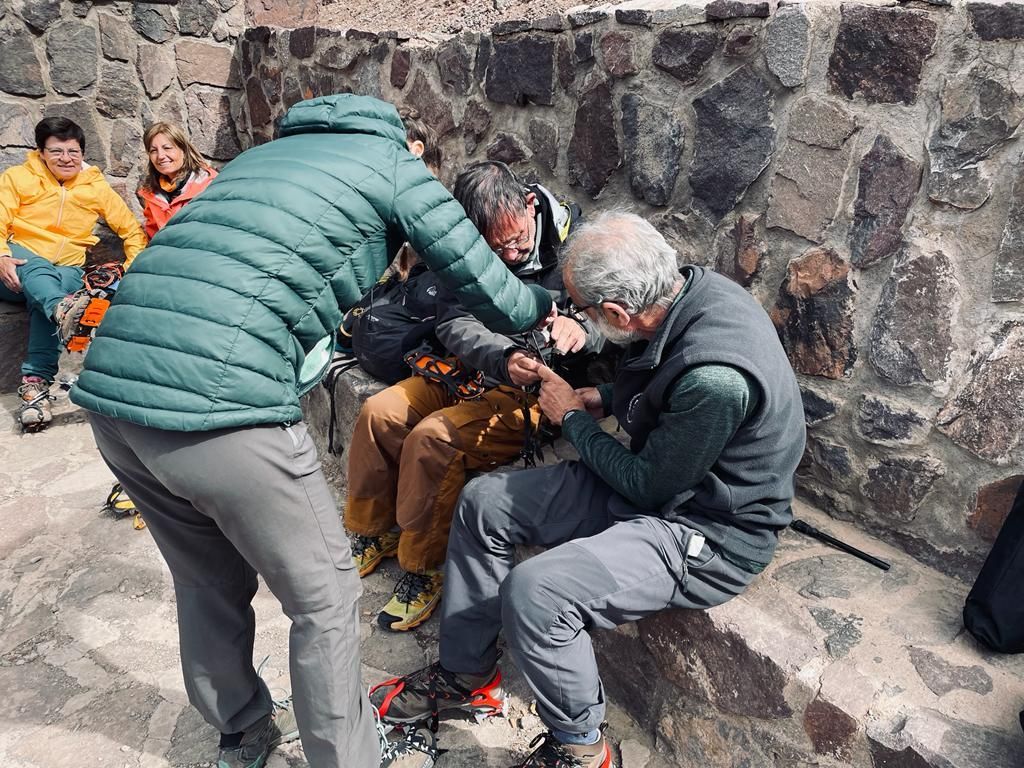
x,y
88,643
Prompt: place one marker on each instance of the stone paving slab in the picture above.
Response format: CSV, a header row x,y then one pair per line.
x,y
88,642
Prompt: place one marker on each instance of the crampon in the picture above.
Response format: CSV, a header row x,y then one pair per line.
x,y
89,305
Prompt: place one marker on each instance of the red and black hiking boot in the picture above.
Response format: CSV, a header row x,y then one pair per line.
x,y
78,314
425,694
34,414
551,753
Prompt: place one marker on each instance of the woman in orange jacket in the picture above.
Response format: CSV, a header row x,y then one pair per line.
x,y
177,173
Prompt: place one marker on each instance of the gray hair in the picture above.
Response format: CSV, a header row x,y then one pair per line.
x,y
618,256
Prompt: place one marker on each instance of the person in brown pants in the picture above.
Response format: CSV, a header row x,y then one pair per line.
x,y
415,442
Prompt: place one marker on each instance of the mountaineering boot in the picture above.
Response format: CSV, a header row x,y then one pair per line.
x,y
79,313
369,551
551,753
35,413
415,597
426,693
279,727
415,750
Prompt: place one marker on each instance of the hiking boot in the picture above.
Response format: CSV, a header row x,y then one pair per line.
x,y
415,597
75,316
35,413
119,504
415,750
261,737
369,551
551,753
426,693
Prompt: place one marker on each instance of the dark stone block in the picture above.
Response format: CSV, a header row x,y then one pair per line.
x,y
510,27
22,72
455,66
844,632
986,416
896,486
544,143
476,121
683,52
911,335
260,114
565,63
39,14
885,757
197,17
817,408
653,138
153,21
594,151
888,181
483,59
434,109
584,47
741,41
401,62
734,141
997,21
879,53
13,344
210,122
711,663
1008,271
618,54
828,462
118,92
830,730
941,677
341,56
125,147
522,71
302,42
359,34
635,686
814,315
506,149
117,39
992,505
736,9
82,112
743,261
587,16
878,421
73,50
554,22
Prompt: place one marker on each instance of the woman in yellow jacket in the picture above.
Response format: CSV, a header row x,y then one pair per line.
x,y
49,206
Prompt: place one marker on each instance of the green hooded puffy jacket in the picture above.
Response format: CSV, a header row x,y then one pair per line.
x,y
212,325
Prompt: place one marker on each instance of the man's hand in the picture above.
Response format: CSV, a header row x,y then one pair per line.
x,y
592,401
567,335
523,368
8,273
557,397
548,319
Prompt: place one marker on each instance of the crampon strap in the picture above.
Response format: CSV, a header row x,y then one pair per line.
x,y
446,371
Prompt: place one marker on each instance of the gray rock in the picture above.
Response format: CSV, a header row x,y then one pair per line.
x,y
73,50
734,139
737,9
986,416
434,109
510,27
17,124
22,72
1008,271
634,754
683,53
653,139
996,20
302,42
565,64
741,41
844,633
788,45
887,183
814,315
210,122
647,13
587,16
116,37
118,91
899,42
154,21
817,407
583,47
896,486
197,17
880,421
807,187
594,152
506,149
828,462
554,22
941,677
207,63
39,14
544,143
83,113
126,150
476,122
911,335
455,66
818,121
156,68
826,576
743,260
522,71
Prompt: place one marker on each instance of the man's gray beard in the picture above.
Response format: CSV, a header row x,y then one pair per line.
x,y
613,334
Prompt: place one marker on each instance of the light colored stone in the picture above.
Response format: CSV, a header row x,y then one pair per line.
x,y
634,754
17,124
156,68
807,188
206,63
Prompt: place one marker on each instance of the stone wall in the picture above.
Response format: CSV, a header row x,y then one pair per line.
x,y
115,67
854,165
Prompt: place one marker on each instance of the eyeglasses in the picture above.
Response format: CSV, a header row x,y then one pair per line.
x,y
74,154
514,246
575,311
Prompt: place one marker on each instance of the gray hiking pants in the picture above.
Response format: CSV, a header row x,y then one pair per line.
x,y
223,506
609,563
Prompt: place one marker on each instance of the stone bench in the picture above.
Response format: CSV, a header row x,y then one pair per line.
x,y
823,661
13,344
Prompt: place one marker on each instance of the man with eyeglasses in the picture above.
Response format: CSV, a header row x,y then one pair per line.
x,y
414,442
49,206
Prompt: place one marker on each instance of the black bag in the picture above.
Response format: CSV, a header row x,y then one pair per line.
x,y
994,611
394,318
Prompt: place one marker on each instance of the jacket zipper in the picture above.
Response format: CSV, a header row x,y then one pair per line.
x,y
60,215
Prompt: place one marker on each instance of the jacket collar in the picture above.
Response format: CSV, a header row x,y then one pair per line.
x,y
649,357
35,163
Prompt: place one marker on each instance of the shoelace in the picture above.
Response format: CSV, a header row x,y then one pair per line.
x,y
550,753
411,586
362,543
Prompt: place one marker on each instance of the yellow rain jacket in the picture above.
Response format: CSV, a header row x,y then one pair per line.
x,y
56,220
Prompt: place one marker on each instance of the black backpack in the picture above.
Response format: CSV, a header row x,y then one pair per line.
x,y
994,611
393,318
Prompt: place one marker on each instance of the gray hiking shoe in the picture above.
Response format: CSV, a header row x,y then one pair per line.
x,y
277,728
414,750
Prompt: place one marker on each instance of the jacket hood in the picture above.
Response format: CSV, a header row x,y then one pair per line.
x,y
36,164
344,113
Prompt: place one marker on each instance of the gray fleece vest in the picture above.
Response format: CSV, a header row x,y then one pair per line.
x,y
744,500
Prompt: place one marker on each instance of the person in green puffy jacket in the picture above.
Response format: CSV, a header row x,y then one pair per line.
x,y
193,383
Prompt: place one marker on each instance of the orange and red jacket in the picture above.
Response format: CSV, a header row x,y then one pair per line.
x,y
157,209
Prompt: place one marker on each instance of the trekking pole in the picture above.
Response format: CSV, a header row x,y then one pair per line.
x,y
809,530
